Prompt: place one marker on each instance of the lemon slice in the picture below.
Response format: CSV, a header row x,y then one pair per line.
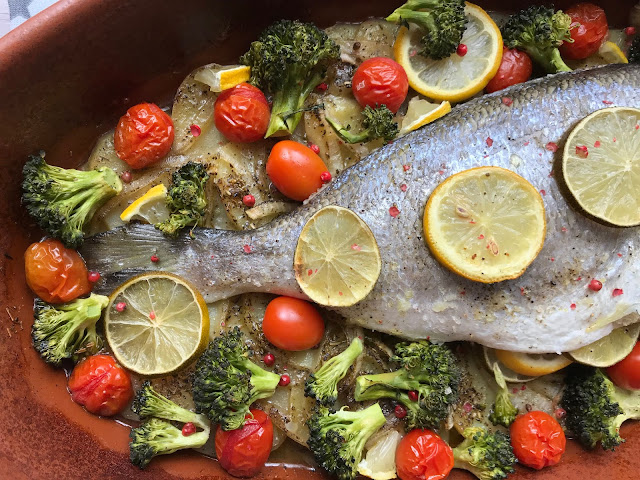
x,y
509,375
149,208
223,78
420,112
610,349
156,323
337,261
608,53
380,460
456,77
532,364
486,224
601,166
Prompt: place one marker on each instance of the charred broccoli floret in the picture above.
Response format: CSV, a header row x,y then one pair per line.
x,y
504,411
323,384
63,200
226,382
378,123
186,198
159,437
443,22
487,455
539,31
288,61
596,407
426,384
337,439
67,330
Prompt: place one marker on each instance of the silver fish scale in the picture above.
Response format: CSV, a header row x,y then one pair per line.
x,y
415,297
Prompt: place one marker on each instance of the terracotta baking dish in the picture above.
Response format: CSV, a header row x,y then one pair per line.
x,y
65,77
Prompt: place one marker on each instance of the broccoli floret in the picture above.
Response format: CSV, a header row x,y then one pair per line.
x,y
378,123
226,382
487,455
337,439
67,330
596,407
288,61
427,370
63,200
323,384
186,198
443,22
539,31
504,411
634,50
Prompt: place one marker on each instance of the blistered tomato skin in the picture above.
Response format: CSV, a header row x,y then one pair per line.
x,y
380,81
292,324
55,273
143,136
589,35
626,373
100,385
423,455
515,67
242,113
243,452
537,439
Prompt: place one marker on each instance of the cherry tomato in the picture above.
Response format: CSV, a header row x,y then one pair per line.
x,y
423,455
515,67
100,385
380,81
242,113
537,439
626,373
243,452
55,273
295,169
292,324
589,35
144,135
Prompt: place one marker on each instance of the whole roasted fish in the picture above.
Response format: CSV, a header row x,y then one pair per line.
x,y
548,309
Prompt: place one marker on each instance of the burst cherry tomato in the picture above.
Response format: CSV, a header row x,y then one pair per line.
x,y
144,135
380,81
243,452
100,385
55,273
295,169
537,440
626,373
589,35
423,455
515,67
292,324
242,113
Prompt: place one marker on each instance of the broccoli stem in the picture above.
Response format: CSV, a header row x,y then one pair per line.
x,y
423,19
551,61
347,136
263,381
393,380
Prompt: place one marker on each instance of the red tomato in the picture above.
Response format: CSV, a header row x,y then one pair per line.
x,y
55,273
626,373
295,169
292,324
423,455
242,113
516,67
243,452
537,439
100,385
589,35
144,135
380,81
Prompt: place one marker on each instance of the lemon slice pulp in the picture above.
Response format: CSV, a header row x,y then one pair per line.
x,y
509,375
608,53
149,208
486,224
420,112
532,364
456,77
601,166
156,323
609,349
337,261
222,78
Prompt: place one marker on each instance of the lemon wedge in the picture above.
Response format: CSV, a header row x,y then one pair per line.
x,y
420,112
609,349
337,261
456,77
601,166
223,78
608,53
149,208
486,224
156,323
532,364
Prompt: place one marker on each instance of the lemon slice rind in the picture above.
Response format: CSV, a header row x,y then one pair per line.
x,y
609,349
420,112
149,208
219,79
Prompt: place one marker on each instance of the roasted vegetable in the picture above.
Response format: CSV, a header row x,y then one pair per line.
x,y
488,455
378,123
